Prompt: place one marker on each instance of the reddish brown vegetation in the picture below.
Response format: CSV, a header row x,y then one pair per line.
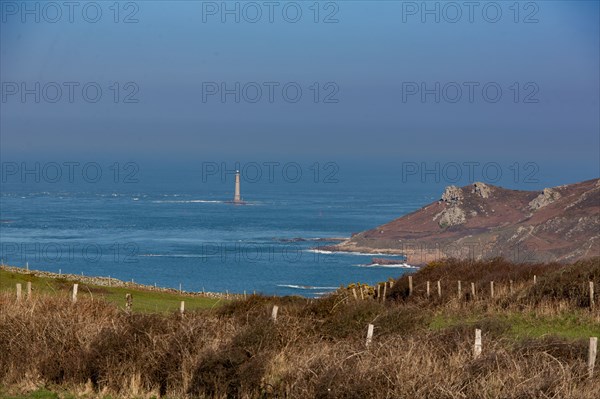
x,y
315,349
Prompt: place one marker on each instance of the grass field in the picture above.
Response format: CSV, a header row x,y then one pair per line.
x,y
143,300
571,324
41,394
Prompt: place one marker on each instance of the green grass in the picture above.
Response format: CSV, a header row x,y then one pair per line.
x,y
566,325
143,301
39,394
57,394
571,325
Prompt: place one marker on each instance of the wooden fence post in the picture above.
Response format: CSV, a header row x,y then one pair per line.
x,y
492,289
29,290
459,289
75,287
410,285
369,335
384,292
362,294
128,302
473,290
592,355
512,290
477,346
428,289
274,313
182,307
18,292
354,294
591,295
378,291
534,279
439,284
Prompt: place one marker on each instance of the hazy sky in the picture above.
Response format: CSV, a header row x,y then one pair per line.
x,y
370,68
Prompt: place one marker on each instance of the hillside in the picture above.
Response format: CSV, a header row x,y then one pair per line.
x,y
535,341
482,221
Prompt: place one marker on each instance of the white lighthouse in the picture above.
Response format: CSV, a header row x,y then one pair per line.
x,y
236,197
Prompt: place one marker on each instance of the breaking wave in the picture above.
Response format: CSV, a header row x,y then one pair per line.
x,y
327,252
397,266
305,287
188,202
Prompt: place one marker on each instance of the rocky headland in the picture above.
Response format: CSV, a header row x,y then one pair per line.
x,y
482,221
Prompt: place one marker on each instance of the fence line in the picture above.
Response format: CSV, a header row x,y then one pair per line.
x,y
495,292
477,347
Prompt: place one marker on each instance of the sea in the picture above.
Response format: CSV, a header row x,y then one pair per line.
x,y
176,227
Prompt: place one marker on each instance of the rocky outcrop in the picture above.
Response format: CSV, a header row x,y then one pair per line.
x,y
482,190
547,197
452,216
452,195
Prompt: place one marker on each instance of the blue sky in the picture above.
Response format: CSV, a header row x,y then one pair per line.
x,y
366,61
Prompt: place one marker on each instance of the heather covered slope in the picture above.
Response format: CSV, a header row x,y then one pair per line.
x,y
483,221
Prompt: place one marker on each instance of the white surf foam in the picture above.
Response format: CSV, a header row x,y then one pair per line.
x,y
177,255
327,252
397,266
305,287
188,202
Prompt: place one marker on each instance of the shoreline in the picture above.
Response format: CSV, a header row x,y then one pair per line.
x,y
112,282
417,258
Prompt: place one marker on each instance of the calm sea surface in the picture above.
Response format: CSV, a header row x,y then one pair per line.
x,y
173,228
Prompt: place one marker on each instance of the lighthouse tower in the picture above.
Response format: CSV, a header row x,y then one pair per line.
x,y
236,197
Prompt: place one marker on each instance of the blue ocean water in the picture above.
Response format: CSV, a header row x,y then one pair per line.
x,y
173,228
